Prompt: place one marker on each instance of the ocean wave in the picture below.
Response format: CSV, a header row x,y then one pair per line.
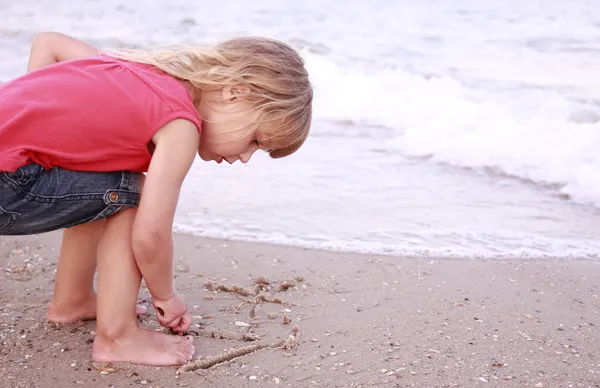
x,y
535,134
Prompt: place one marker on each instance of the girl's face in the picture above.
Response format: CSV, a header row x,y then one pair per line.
x,y
225,117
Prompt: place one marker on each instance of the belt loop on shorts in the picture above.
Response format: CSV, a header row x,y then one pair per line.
x,y
130,180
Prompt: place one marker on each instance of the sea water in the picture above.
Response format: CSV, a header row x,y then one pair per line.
x,y
441,127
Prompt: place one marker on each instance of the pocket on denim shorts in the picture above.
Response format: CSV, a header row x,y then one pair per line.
x,y
24,176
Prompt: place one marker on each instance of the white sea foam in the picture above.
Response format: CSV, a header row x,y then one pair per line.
x,y
458,245
534,134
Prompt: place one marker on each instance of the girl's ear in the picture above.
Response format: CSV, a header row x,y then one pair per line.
x,y
234,92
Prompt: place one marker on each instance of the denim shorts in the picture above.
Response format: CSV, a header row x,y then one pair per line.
x,y
35,200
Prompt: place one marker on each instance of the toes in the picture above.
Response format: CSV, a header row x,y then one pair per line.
x,y
183,357
182,360
181,340
187,351
185,346
188,339
187,354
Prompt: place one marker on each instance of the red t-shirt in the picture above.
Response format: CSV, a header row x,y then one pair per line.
x,y
92,114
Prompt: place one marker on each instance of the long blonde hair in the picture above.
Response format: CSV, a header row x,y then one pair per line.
x,y
272,70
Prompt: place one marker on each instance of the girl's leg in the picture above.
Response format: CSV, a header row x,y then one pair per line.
x,y
43,210
119,336
74,297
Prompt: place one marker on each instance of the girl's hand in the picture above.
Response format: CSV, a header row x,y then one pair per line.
x,y
173,313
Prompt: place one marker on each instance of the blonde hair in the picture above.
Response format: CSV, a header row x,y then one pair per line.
x,y
279,86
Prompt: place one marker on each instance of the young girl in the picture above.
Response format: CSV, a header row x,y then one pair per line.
x,y
77,134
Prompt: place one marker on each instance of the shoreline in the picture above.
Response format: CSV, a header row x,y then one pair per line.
x,y
363,320
595,257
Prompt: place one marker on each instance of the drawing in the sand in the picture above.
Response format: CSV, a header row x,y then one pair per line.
x,y
252,299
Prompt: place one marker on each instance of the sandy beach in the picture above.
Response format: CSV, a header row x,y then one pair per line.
x,y
362,320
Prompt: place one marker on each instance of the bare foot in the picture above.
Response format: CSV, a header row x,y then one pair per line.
x,y
141,346
81,311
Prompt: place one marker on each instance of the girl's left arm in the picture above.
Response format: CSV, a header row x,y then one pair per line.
x,y
51,47
152,235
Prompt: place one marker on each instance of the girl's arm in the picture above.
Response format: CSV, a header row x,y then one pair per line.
x,y
152,239
51,47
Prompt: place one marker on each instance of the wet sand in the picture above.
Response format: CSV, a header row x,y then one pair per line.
x,y
362,320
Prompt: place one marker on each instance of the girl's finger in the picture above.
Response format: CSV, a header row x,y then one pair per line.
x,y
174,323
